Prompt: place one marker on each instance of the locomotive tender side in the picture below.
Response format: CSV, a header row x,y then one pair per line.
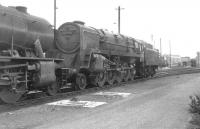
x,y
151,59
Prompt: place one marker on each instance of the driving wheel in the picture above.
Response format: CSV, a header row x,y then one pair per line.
x,y
132,74
81,81
100,79
110,77
119,77
126,75
8,95
52,89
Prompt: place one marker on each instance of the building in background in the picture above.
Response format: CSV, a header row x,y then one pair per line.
x,y
198,59
185,61
175,60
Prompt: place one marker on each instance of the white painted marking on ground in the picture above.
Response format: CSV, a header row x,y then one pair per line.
x,y
89,104
123,94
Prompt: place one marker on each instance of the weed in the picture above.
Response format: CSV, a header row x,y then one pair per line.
x,y
195,104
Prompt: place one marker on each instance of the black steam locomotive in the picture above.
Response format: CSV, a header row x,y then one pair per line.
x,y
34,57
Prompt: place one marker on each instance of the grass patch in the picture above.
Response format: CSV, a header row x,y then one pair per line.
x,y
195,104
194,123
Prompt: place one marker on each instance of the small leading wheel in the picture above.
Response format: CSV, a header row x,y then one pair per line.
x,y
100,79
52,89
81,81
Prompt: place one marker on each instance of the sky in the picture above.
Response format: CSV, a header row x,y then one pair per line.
x,y
174,21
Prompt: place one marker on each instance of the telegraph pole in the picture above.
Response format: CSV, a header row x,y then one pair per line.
x,y
55,14
119,18
152,40
55,7
170,54
160,46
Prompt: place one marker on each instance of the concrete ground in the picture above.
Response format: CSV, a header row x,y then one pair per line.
x,y
154,104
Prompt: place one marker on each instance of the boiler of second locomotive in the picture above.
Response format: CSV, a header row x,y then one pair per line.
x,y
76,41
68,38
22,29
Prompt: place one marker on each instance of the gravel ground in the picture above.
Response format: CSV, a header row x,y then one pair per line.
x,y
154,104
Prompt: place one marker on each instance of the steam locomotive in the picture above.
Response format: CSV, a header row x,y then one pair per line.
x,y
35,57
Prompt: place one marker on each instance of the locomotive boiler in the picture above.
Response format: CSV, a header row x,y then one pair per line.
x,y
22,29
33,58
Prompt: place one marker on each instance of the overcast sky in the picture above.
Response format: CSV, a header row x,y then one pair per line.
x,y
174,20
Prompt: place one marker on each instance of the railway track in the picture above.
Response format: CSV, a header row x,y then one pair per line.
x,y
39,97
177,71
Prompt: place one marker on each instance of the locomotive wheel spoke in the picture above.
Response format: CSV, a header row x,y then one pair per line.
x,y
52,89
132,74
126,75
110,78
146,72
153,72
119,77
81,81
10,96
101,79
